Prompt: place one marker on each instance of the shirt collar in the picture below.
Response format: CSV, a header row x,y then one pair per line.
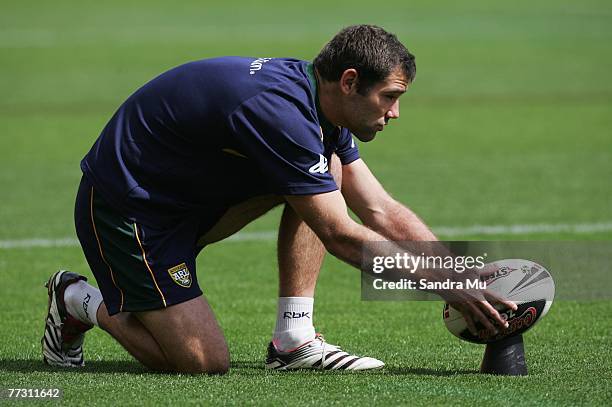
x,y
326,126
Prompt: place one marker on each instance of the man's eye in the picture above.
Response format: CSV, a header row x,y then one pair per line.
x,y
390,97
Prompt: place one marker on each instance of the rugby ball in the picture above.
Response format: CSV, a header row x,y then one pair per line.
x,y
524,282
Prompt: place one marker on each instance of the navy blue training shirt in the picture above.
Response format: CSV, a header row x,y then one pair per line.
x,y
209,134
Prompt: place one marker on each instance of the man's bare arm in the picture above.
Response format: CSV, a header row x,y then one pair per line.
x,y
383,214
377,209
326,214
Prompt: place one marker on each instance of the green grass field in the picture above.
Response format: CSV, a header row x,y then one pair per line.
x,y
508,123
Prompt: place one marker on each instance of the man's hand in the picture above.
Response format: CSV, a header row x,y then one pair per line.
x,y
479,305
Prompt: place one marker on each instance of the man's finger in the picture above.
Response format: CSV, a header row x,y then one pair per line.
x,y
488,270
470,324
492,312
498,299
480,316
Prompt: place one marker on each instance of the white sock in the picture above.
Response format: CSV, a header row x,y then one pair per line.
x,y
82,302
293,323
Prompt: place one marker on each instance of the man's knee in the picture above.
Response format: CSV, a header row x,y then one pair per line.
x,y
198,362
199,354
189,337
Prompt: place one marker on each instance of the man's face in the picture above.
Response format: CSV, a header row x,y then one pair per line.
x,y
365,115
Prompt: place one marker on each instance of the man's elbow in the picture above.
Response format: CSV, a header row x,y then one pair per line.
x,y
331,238
382,216
339,240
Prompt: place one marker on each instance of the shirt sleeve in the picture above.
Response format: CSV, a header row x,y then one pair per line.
x,y
283,140
347,149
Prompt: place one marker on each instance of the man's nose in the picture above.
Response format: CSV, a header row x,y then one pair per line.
x,y
394,112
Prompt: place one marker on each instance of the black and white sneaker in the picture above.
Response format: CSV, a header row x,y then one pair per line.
x,y
318,354
62,342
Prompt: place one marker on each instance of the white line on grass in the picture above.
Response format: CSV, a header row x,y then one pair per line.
x,y
442,231
524,229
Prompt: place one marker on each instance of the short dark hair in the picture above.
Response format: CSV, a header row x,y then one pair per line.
x,y
370,50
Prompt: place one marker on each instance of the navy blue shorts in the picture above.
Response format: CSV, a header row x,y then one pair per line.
x,y
137,267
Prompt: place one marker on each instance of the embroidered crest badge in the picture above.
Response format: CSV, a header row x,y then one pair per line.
x,y
181,275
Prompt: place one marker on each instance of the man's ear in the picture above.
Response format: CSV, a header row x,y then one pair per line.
x,y
349,81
